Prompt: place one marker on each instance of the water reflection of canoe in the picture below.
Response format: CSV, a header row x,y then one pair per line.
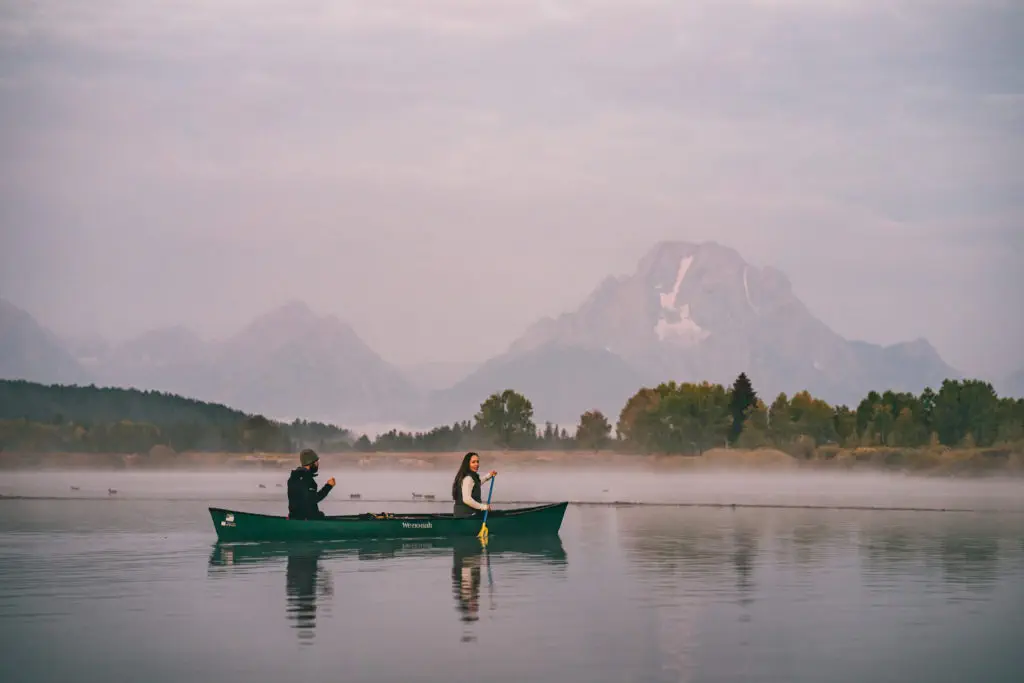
x,y
308,578
237,526
547,549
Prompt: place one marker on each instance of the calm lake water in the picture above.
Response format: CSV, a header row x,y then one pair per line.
x,y
133,587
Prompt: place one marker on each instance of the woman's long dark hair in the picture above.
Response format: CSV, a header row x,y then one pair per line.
x,y
463,471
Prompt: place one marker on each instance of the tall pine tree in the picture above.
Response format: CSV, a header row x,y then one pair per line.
x,y
743,398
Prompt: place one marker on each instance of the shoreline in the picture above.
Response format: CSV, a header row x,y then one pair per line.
x,y
1001,461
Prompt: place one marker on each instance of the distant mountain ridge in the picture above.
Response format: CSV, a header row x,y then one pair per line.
x,y
287,363
28,351
688,312
695,312
316,365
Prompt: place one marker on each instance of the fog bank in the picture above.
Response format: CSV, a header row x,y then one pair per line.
x,y
393,489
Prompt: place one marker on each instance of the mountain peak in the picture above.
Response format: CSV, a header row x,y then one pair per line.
x,y
678,250
293,320
680,295
919,346
698,311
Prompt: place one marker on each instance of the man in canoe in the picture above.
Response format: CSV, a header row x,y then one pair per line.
x,y
303,497
466,487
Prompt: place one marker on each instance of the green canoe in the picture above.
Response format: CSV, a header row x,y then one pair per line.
x,y
235,526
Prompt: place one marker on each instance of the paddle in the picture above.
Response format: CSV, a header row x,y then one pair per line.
x,y
483,530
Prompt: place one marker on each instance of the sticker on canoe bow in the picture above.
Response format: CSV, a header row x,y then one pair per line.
x,y
229,520
414,525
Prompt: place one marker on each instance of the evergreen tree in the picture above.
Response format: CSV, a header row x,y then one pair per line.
x,y
742,400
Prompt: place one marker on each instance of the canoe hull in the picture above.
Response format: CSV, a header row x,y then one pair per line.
x,y
234,526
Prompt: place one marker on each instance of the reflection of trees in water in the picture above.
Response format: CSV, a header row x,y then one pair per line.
x,y
966,552
688,553
891,547
304,580
972,561
809,544
744,558
701,542
686,550
890,551
697,544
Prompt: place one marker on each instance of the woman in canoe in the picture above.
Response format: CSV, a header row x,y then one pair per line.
x,y
466,487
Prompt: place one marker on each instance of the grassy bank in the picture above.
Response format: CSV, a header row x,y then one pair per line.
x,y
935,461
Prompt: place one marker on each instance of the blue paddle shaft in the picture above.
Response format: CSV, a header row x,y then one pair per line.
x,y
489,492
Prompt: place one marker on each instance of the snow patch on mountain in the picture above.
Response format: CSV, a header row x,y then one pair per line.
x,y
675,322
668,300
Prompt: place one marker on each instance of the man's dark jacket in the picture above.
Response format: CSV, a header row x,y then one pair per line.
x,y
303,496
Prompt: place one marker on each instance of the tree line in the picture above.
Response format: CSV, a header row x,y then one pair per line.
x,y
669,418
691,418
683,417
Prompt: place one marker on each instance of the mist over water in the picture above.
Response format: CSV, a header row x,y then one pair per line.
x,y
96,586
543,484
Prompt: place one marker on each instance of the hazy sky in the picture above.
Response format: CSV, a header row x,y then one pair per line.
x,y
442,173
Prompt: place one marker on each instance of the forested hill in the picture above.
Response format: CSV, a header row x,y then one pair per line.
x,y
36,417
97,405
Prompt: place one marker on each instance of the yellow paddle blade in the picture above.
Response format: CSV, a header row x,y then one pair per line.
x,y
483,531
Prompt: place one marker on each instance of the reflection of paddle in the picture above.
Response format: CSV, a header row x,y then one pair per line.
x,y
490,579
483,530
